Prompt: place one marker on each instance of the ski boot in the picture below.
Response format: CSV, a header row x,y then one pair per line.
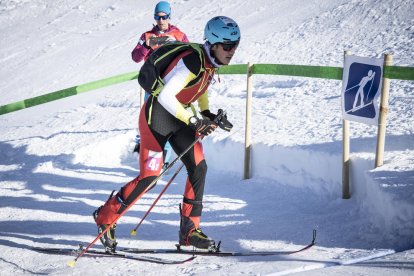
x,y
137,143
189,235
108,239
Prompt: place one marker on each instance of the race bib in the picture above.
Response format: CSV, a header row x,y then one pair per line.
x,y
154,160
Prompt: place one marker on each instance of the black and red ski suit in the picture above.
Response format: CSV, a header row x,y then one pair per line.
x,y
166,118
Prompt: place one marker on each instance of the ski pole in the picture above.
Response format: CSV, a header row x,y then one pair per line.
x,y
351,87
73,262
369,91
134,231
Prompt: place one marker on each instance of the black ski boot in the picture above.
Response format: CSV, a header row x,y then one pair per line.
x,y
189,235
137,143
108,239
136,148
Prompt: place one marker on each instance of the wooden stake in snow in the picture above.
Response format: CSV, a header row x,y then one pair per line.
x,y
382,120
247,144
345,153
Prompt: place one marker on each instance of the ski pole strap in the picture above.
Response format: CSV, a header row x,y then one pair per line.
x,y
193,202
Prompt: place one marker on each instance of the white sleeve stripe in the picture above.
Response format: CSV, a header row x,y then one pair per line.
x,y
175,81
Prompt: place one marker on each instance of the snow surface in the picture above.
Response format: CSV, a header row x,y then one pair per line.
x,y
60,161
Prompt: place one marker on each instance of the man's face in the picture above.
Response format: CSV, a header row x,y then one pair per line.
x,y
224,52
162,20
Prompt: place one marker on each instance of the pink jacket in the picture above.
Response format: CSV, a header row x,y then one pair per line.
x,y
142,50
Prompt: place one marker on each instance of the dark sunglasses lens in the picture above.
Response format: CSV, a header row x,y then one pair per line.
x,y
164,17
229,46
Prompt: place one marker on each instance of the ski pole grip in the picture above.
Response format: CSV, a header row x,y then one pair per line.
x,y
219,116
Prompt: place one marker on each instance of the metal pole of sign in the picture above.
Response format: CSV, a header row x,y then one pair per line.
x,y
247,145
345,152
382,120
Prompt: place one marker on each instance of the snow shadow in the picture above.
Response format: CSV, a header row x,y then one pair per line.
x,y
378,215
36,209
63,216
257,214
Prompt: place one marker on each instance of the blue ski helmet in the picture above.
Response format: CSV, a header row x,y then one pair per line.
x,y
163,6
221,29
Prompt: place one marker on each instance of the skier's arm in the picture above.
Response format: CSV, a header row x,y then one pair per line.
x,y
175,81
185,38
203,103
363,81
141,50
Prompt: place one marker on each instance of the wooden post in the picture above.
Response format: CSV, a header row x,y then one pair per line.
x,y
247,144
345,160
345,152
382,120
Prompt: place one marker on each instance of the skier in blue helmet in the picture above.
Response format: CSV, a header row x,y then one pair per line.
x,y
169,116
221,32
221,29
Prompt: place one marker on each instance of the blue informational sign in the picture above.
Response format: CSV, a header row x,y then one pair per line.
x,y
361,87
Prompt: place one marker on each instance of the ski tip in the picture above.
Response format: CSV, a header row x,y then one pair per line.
x,y
72,263
133,232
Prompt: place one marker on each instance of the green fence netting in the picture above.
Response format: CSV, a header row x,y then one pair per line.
x,y
71,91
323,72
399,73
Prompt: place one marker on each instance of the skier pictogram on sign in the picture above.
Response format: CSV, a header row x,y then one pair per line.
x,y
361,87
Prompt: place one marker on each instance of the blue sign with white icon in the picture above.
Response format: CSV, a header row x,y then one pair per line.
x,y
361,87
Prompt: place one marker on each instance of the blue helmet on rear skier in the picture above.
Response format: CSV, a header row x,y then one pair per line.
x,y
164,7
222,29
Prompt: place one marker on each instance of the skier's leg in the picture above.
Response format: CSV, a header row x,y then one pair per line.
x,y
151,160
356,99
138,137
190,232
362,98
167,153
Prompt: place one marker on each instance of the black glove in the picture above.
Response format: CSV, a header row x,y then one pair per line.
x,y
202,126
220,119
207,114
225,124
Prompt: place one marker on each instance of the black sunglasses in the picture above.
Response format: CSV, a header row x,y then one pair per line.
x,y
163,17
229,46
